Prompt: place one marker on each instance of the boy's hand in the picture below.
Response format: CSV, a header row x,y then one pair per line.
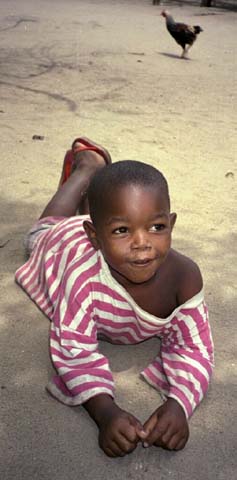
x,y
167,427
119,433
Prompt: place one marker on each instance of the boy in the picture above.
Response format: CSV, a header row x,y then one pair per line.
x,y
114,274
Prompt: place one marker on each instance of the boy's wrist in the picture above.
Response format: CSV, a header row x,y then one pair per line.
x,y
175,406
100,406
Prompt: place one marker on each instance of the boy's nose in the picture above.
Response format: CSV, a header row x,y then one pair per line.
x,y
140,240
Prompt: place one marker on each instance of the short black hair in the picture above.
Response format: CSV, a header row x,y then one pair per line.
x,y
121,174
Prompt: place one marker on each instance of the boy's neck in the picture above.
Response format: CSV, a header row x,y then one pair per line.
x,y
127,284
157,296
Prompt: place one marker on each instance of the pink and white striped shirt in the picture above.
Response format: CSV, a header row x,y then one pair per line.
x,y
73,286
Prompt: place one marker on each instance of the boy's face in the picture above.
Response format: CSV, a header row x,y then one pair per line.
x,y
134,233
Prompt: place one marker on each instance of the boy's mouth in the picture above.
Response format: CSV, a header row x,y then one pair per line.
x,y
141,262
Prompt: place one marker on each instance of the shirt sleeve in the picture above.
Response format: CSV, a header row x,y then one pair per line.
x,y
82,371
183,368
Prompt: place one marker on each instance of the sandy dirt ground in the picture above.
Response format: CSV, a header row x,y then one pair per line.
x,y
110,71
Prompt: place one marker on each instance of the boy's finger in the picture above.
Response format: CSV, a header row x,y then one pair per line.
x,y
137,429
140,431
167,436
125,445
147,439
181,444
142,434
117,449
173,441
112,451
150,424
130,433
160,431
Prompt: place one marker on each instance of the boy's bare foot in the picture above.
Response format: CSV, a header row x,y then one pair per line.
x,y
89,159
84,153
80,164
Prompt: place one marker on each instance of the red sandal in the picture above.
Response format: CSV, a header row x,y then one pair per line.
x,y
86,144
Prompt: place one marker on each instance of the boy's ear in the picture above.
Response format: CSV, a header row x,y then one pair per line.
x,y
91,233
173,217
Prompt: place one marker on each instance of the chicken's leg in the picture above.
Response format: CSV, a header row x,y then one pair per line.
x,y
185,51
183,55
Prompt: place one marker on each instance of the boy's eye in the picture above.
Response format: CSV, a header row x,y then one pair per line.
x,y
120,230
157,227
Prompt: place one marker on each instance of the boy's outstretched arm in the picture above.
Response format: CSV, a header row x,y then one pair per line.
x,y
84,378
182,370
119,431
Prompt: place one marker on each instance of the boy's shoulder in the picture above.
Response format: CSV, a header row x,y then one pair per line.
x,y
188,275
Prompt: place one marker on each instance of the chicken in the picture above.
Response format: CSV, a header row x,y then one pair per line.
x,y
182,33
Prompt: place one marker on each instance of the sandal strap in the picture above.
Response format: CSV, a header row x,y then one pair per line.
x,y
87,144
83,148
